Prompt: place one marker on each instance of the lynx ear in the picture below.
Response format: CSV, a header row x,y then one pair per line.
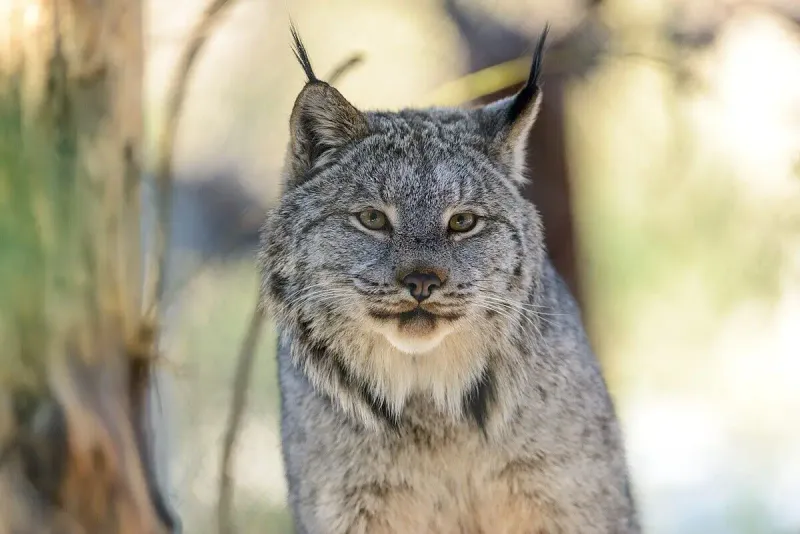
x,y
509,120
322,120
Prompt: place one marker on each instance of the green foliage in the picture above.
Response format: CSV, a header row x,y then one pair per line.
x,y
24,250
46,252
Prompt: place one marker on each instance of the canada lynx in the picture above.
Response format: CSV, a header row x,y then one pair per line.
x,y
435,376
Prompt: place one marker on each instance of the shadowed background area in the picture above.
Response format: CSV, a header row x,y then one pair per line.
x,y
666,165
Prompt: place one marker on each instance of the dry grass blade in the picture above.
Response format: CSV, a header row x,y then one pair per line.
x,y
241,384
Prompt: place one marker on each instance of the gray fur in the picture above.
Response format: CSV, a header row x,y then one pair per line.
x,y
495,417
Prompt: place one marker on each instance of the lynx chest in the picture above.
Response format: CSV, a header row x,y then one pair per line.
x,y
448,482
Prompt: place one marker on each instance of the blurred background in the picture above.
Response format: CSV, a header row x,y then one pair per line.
x,y
666,164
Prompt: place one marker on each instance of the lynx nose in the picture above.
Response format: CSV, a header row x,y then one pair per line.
x,y
421,285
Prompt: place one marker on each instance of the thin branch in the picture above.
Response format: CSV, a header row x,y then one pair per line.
x,y
344,67
157,259
241,383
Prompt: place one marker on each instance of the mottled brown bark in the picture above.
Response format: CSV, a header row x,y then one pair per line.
x,y
71,440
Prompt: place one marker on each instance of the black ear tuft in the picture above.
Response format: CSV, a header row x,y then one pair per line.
x,y
322,121
300,53
507,122
527,94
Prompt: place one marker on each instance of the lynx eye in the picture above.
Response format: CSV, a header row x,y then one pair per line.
x,y
373,219
462,222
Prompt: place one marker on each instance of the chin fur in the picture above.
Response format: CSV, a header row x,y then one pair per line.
x,y
411,343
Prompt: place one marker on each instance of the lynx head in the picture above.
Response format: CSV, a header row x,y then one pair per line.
x,y
401,251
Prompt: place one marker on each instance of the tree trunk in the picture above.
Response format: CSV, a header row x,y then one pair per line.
x,y
73,374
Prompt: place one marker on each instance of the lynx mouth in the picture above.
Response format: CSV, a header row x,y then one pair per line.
x,y
416,315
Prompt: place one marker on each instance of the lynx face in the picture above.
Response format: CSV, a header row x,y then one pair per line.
x,y
413,232
402,229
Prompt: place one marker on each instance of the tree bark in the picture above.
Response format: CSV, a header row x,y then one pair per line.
x,y
73,457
